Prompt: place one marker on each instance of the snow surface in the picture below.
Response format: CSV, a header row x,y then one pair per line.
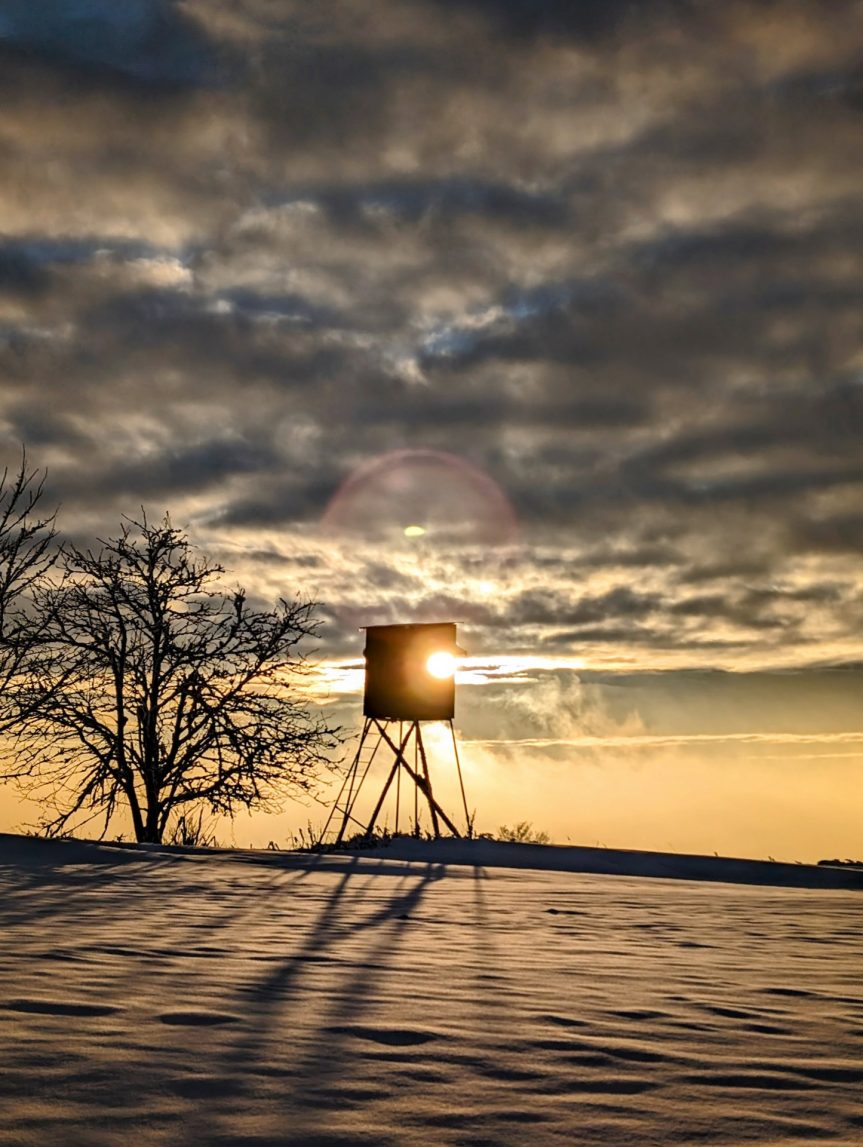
x,y
162,997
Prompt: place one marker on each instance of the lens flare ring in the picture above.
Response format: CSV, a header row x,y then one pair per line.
x,y
422,493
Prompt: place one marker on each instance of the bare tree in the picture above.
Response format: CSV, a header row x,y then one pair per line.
x,y
163,693
26,554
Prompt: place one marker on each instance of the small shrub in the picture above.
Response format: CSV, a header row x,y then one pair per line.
x,y
522,833
191,831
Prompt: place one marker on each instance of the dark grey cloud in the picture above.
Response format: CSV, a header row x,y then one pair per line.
x,y
431,202
149,41
711,701
555,608
588,20
289,500
546,323
195,467
839,533
28,263
843,86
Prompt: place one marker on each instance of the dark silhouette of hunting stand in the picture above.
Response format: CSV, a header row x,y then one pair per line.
x,y
400,693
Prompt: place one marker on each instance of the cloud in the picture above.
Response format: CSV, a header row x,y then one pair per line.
x,y
842,533
149,41
607,254
367,206
587,20
33,266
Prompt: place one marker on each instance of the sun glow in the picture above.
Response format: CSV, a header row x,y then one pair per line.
x,y
441,664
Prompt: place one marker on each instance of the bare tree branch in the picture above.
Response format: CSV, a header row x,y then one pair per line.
x,y
26,555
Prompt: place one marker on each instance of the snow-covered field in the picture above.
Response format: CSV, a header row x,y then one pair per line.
x,y
156,997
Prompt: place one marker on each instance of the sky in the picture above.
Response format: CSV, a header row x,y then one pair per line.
x,y
571,287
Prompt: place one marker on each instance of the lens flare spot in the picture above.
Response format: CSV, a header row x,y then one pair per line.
x,y
441,664
414,531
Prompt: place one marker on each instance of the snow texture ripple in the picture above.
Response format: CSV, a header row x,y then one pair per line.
x,y
153,997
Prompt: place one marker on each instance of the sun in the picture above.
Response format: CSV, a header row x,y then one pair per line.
x,y
441,664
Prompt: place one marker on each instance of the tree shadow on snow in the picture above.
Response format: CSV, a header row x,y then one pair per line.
x,y
282,999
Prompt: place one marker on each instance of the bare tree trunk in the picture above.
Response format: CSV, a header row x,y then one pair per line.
x,y
138,825
151,833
